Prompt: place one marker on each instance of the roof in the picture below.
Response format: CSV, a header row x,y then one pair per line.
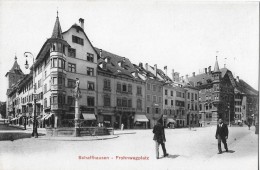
x,y
216,68
15,69
57,33
115,64
245,88
206,78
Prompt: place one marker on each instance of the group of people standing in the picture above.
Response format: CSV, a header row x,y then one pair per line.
x,y
159,137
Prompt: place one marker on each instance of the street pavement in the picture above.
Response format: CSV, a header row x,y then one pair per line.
x,y
188,149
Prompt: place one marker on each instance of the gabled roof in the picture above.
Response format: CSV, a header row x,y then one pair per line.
x,y
245,88
77,27
115,64
15,69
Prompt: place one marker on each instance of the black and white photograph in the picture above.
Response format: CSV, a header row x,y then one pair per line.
x,y
114,85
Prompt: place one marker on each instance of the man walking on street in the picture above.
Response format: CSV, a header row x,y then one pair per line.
x,y
159,138
222,135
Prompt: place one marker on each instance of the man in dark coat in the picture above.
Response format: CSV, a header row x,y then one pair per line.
x,y
159,138
222,135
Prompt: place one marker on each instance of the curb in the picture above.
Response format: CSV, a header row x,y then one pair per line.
x,y
76,138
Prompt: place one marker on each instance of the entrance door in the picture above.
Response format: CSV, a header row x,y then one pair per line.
x,y
124,121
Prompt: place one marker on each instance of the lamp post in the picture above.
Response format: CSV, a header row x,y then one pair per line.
x,y
229,115
34,133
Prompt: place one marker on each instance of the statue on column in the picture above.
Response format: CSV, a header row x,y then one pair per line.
x,y
77,89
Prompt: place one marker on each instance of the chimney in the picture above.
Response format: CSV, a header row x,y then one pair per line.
x,y
237,78
100,53
155,69
209,69
123,59
81,21
146,66
173,77
206,70
193,74
141,65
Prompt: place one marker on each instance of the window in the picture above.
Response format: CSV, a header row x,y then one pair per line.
x,y
166,92
159,88
178,94
91,86
148,110
129,103
148,86
39,69
196,97
77,40
154,87
91,101
118,87
45,103
72,67
171,93
166,102
90,57
72,52
61,63
45,74
54,62
71,101
172,102
139,90
106,100
107,84
45,88
119,102
71,83
39,83
129,88
90,71
148,97
139,104
192,96
160,99
188,95
124,88
124,102
154,98
157,110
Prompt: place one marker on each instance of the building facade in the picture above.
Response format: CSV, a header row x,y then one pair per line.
x,y
121,93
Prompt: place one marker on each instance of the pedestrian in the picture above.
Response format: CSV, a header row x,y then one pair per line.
x,y
99,125
222,135
122,126
24,123
159,138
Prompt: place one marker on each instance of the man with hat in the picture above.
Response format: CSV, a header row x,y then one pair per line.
x,y
159,138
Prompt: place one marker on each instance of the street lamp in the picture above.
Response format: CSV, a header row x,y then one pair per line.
x,y
229,115
34,133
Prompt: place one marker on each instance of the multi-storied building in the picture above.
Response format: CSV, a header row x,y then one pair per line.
x,y
216,94
63,58
246,102
120,91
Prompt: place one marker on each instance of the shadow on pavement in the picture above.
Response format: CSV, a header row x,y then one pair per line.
x,y
230,151
172,156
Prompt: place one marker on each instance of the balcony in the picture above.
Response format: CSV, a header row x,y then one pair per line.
x,y
56,106
57,87
129,109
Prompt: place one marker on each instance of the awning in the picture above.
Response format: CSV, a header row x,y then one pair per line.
x,y
47,117
140,118
88,116
170,120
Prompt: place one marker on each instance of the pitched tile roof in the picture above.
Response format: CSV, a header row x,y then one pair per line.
x,y
245,88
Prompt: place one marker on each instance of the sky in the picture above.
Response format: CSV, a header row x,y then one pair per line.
x,y
184,36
